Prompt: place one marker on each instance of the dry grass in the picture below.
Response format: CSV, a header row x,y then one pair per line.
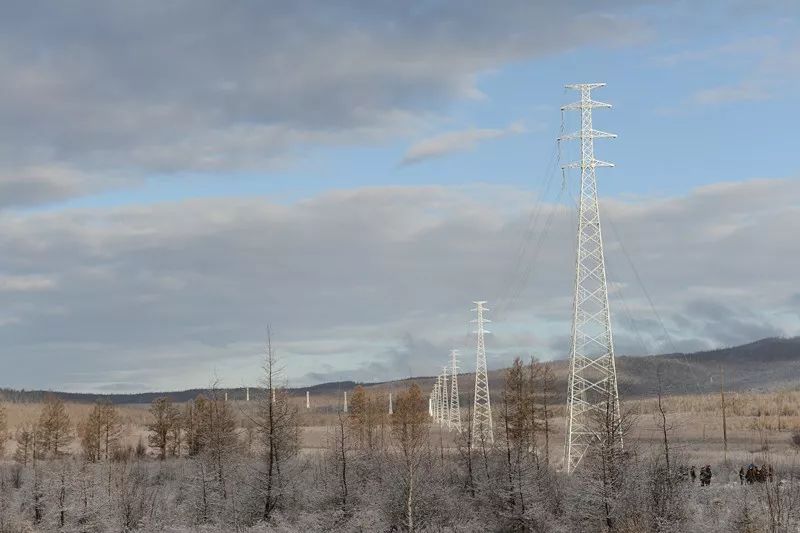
x,y
757,423
19,414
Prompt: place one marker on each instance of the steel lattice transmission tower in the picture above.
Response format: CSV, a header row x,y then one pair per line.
x,y
454,421
444,400
432,400
435,401
592,390
482,410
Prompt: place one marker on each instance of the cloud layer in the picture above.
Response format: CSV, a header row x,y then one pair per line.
x,y
125,89
373,283
455,141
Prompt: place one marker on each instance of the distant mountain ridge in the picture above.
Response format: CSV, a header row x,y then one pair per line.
x,y
766,364
763,365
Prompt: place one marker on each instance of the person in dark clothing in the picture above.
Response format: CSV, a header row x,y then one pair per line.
x,y
693,473
750,475
705,476
741,476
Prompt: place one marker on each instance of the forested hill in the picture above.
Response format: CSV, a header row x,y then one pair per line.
x,y
12,395
767,364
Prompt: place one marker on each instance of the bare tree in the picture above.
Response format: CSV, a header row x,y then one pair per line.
x,y
410,429
547,387
366,416
62,494
218,435
100,432
131,483
54,426
780,500
665,498
465,445
37,488
724,414
519,418
191,424
602,472
3,427
341,449
110,427
165,416
90,434
357,414
277,425
664,426
25,438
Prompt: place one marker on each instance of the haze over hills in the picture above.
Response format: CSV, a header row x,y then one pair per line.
x,y
767,364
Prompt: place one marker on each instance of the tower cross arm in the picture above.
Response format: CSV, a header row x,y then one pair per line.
x,y
594,134
584,105
579,86
594,163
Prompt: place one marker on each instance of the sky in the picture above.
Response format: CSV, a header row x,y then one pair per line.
x,y
176,176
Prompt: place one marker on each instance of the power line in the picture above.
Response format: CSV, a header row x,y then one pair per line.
x,y
512,282
667,336
653,308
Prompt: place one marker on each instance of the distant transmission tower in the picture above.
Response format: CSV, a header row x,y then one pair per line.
x,y
482,410
592,390
435,399
444,399
454,421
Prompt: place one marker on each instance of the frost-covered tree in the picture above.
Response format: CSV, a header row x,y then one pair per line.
x,y
25,437
218,436
276,420
410,431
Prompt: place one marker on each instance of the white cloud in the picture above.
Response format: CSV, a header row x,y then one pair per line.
x,y
455,141
768,66
122,90
25,283
753,48
743,92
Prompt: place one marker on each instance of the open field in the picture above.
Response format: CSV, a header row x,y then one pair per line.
x,y
179,493
756,423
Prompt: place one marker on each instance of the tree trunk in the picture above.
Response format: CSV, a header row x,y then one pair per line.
x,y
410,500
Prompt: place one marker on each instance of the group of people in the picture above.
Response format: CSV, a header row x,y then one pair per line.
x,y
753,474
750,474
705,475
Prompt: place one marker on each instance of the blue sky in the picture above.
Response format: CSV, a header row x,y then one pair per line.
x,y
356,176
670,139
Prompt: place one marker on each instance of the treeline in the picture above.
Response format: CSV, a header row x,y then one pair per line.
x,y
208,465
238,393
